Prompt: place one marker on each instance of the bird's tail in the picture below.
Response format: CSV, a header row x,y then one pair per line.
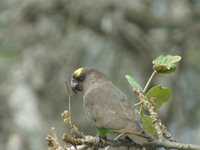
x,y
140,138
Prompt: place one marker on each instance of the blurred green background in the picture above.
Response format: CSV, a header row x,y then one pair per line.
x,y
43,42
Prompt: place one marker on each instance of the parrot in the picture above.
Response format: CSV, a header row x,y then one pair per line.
x,y
106,106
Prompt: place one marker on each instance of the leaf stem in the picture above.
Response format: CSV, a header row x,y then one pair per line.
x,y
148,82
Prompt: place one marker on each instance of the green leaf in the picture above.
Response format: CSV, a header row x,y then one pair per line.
x,y
133,83
148,124
165,64
162,95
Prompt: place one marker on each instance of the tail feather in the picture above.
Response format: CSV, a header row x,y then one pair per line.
x,y
140,139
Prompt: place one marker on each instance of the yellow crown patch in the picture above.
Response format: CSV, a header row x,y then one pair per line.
x,y
78,72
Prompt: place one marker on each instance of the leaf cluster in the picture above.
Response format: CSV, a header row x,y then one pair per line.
x,y
162,64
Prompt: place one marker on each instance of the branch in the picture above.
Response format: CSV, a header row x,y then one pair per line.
x,y
174,145
90,141
161,130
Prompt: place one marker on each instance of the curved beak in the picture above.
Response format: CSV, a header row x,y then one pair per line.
x,y
74,85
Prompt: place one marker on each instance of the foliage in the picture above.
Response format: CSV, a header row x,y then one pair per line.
x,y
133,83
161,94
162,64
165,64
148,124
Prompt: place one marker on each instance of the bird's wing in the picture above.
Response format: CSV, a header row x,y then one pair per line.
x,y
107,106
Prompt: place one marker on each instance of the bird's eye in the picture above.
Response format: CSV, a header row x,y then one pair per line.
x,y
82,77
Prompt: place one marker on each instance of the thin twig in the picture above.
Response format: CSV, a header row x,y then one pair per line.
x,y
148,82
69,97
53,142
139,103
68,120
55,136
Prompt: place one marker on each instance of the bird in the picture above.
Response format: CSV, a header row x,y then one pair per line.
x,y
106,106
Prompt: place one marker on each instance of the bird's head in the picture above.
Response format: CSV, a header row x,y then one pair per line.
x,y
77,79
85,76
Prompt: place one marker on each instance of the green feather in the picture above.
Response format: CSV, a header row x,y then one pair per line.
x,y
103,131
